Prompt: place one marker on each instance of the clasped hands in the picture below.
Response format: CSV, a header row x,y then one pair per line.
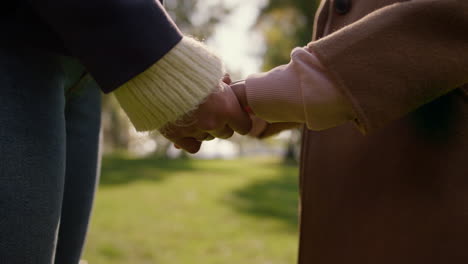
x,y
221,114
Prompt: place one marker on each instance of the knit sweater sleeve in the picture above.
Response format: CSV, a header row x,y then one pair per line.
x,y
301,91
174,86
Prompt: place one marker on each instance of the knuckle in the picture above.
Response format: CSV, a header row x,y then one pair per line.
x,y
225,134
229,134
211,125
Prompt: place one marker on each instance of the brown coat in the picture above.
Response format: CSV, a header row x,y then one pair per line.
x,y
399,193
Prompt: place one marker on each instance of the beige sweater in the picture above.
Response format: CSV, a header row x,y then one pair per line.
x,y
174,86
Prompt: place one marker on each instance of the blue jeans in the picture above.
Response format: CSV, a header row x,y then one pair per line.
x,y
49,156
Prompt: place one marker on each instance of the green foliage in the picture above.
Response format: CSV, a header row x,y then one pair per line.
x,y
197,18
194,18
192,211
285,24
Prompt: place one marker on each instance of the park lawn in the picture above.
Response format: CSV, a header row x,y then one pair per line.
x,y
194,212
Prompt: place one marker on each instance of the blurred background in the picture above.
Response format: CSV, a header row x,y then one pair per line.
x,y
236,201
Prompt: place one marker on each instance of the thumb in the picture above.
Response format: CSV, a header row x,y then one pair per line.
x,y
258,126
239,90
239,120
275,128
227,78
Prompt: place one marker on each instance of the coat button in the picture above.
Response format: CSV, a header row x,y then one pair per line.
x,y
342,6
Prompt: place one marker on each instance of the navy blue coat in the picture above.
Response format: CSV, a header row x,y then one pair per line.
x,y
114,39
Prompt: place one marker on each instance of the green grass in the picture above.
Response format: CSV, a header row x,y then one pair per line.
x,y
194,212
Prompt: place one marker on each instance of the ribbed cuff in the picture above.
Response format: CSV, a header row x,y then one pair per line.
x,y
299,92
276,96
174,86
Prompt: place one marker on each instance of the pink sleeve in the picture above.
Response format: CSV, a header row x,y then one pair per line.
x,y
300,91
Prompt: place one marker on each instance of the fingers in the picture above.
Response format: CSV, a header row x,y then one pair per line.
x,y
221,109
209,138
220,115
202,136
227,78
273,129
239,90
190,145
258,126
239,120
184,137
223,133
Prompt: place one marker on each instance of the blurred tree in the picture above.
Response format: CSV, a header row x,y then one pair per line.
x,y
193,18
286,24
115,125
197,18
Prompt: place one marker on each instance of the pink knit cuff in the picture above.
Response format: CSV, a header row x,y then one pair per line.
x,y
301,91
275,96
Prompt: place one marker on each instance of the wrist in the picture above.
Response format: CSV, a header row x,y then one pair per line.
x,y
174,86
239,90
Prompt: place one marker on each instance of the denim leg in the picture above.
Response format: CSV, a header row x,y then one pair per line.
x,y
32,155
82,114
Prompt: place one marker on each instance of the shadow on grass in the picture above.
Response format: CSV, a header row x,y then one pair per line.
x,y
273,194
275,197
118,169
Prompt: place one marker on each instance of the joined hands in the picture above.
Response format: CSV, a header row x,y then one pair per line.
x,y
222,113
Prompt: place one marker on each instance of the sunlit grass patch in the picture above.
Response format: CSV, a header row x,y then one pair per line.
x,y
194,211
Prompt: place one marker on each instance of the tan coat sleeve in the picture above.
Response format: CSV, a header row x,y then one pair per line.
x,y
398,58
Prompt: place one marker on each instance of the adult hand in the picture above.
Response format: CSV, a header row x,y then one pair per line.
x,y
220,115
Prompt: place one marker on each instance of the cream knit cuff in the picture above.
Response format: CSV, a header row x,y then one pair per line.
x,y
174,86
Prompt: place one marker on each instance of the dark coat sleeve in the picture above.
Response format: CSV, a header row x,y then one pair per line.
x,y
114,39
